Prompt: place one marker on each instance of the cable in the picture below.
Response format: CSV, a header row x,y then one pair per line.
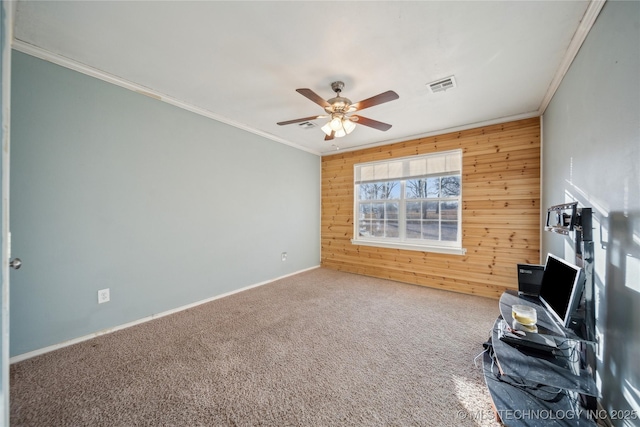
x,y
573,349
536,390
475,359
540,391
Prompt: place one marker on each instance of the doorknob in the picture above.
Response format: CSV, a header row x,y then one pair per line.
x,y
15,263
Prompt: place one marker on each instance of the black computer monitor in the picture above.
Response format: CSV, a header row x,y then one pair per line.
x,y
561,288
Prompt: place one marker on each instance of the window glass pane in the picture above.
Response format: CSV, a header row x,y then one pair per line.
x,y
416,189
391,210
413,210
391,229
450,186
430,230
450,231
365,210
377,210
449,211
430,210
389,190
433,187
413,230
380,190
377,228
366,192
365,228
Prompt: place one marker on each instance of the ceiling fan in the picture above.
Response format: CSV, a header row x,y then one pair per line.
x,y
339,109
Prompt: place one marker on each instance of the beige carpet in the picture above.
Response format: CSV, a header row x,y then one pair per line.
x,y
322,348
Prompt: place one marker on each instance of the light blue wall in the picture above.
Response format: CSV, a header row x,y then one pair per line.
x,y
112,189
591,146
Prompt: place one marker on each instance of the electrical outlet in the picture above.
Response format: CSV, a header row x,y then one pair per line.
x,y
283,256
103,296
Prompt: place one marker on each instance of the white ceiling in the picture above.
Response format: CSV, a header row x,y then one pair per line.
x,y
240,62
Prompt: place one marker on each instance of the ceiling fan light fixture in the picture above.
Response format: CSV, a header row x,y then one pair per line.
x,y
348,125
339,126
338,108
336,123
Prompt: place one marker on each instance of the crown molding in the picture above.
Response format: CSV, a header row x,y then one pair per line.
x,y
588,19
71,64
586,23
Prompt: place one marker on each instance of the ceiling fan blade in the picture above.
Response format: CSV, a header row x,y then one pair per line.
x,y
304,119
371,123
376,100
308,93
329,137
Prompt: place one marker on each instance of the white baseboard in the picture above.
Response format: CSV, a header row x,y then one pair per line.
x,y
34,353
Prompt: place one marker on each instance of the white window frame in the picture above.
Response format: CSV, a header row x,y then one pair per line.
x,y
402,169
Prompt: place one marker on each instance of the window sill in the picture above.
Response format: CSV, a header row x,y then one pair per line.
x,y
410,247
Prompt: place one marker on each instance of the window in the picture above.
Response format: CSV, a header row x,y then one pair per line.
x,y
410,203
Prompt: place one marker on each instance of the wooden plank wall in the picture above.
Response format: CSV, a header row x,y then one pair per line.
x,y
500,218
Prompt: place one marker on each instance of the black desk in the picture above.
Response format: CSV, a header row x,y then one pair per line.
x,y
530,388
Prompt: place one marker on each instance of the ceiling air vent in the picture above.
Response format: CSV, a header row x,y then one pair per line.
x,y
442,85
307,125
